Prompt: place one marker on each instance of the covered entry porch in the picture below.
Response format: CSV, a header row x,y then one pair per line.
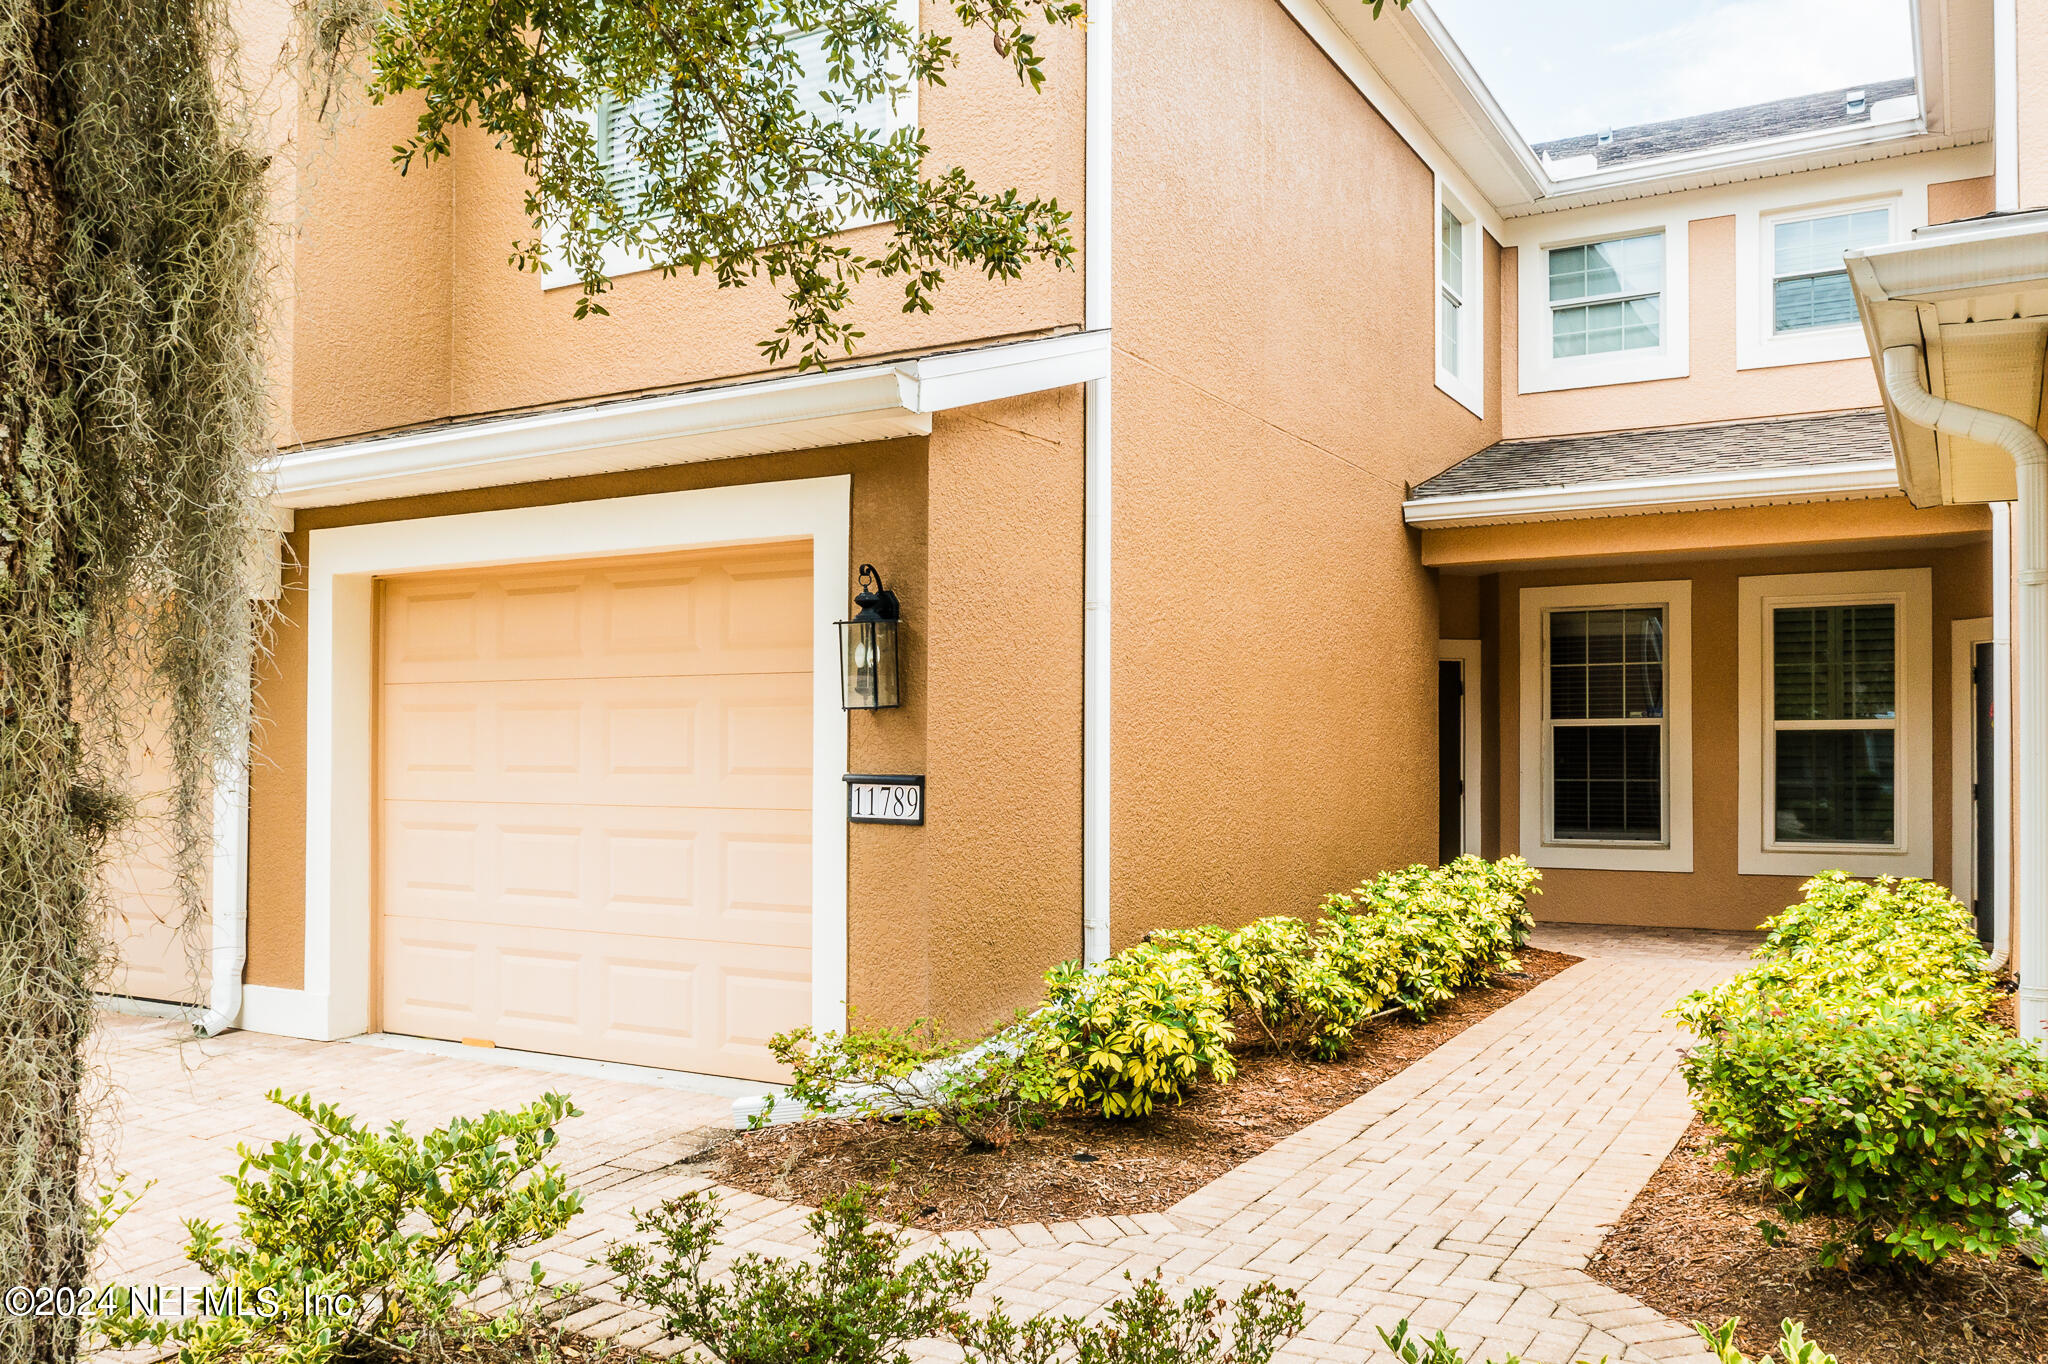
x,y
1703,664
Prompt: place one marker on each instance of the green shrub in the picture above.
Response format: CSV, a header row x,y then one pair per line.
x,y
1922,1134
392,1233
856,1302
1418,934
1793,1346
1860,945
1279,972
914,1074
860,1300
1133,1032
1149,1326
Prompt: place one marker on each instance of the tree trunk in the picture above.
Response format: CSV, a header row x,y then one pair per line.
x,y
50,826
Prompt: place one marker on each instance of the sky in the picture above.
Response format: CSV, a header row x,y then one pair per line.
x,y
1575,66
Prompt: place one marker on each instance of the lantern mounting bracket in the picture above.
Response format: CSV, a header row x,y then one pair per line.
x,y
876,602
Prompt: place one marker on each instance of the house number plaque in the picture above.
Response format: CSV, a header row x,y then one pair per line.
x,y
884,800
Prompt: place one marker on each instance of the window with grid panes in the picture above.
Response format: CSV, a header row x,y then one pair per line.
x,y
1604,724
1607,296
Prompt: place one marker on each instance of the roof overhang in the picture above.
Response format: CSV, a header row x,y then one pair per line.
x,y
1637,496
801,412
1972,297
1407,64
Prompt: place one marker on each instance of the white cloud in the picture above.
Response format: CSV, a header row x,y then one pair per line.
x,y
1561,69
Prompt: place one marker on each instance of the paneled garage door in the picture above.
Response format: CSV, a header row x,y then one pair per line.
x,y
594,807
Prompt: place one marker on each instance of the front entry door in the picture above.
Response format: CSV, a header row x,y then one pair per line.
x,y
1450,758
1983,803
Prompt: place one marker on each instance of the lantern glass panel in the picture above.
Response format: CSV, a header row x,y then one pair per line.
x,y
867,657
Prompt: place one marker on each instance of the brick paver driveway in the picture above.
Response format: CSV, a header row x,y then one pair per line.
x,y
1465,1193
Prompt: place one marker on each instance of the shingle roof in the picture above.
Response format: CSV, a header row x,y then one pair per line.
x,y
1727,127
1743,447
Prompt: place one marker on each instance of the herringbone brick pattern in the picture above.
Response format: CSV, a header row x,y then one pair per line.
x,y
1466,1193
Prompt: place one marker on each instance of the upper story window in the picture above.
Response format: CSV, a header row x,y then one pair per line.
x,y
1450,283
1809,285
1607,296
1460,298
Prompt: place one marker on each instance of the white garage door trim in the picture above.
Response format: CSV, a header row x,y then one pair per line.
x,y
343,563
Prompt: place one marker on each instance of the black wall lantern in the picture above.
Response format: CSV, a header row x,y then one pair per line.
x,y
867,647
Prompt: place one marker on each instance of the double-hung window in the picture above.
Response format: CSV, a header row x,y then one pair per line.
x,y
1607,296
1606,739
1837,742
1604,671
1809,284
1460,299
1450,286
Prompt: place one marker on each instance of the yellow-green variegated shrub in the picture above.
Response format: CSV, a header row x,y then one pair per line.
x,y
1133,1032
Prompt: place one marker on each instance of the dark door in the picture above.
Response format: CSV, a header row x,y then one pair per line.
x,y
1983,802
1450,758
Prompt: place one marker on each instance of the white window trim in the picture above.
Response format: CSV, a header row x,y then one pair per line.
x,y
343,564
1542,372
1757,345
1964,637
1467,384
1466,652
1675,854
1912,592
620,261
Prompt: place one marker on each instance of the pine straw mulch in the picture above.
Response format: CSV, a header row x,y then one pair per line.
x,y
1079,1166
1689,1247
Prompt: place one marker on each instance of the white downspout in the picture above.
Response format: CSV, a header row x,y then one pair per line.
x,y
2001,714
2005,105
1908,392
230,895
1097,262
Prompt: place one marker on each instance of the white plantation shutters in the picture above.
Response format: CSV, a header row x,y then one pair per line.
x,y
617,136
1834,723
1809,284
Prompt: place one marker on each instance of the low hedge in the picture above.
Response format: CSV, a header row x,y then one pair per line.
x,y
1853,1067
1141,1029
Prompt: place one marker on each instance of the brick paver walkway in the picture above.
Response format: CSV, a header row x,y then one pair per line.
x,y
1465,1193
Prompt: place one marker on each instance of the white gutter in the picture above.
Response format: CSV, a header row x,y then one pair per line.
x,y
1686,492
799,412
230,908
1096,543
1907,389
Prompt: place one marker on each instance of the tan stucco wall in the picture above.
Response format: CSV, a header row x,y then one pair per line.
x,y
1714,894
1275,638
1949,200
408,310
978,531
1714,389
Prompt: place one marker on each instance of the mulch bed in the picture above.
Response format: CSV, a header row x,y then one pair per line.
x,y
1079,1167
1689,1247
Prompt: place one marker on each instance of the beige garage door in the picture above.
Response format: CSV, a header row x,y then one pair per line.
x,y
150,956
594,832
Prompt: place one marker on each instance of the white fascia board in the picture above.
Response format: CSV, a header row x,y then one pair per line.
x,y
808,411
1629,496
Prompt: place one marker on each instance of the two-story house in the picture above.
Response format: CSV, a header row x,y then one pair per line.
x,y
1379,487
